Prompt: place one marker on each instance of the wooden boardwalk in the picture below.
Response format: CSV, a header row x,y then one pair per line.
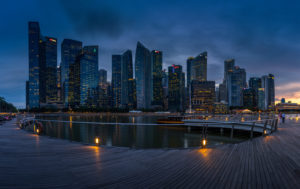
x,y
31,161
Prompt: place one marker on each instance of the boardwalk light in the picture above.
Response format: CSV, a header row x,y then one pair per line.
x,y
204,142
37,131
97,141
265,131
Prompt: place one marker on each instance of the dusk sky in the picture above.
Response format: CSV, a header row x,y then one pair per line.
x,y
262,36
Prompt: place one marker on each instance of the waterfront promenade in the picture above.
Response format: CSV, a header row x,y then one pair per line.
x,y
32,161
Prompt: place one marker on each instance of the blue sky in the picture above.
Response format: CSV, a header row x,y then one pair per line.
x,y
263,36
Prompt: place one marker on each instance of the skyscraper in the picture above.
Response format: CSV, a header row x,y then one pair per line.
x,y
268,85
249,98
70,50
157,94
48,70
203,95
189,77
176,88
236,81
34,67
88,73
116,80
199,67
228,67
143,76
102,76
127,91
255,84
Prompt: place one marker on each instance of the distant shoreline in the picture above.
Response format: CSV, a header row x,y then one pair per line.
x,y
110,114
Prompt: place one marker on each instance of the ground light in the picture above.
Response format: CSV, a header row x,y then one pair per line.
x,y
204,142
97,140
265,132
37,131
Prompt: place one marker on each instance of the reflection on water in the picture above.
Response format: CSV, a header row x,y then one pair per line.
x,y
135,136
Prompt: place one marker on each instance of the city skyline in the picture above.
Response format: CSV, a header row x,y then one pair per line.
x,y
13,87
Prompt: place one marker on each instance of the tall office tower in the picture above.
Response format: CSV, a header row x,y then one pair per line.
x,y
70,50
48,70
127,82
58,82
249,98
34,67
268,85
176,88
236,81
27,95
143,76
203,95
102,76
157,88
88,73
116,81
165,89
188,78
199,67
261,99
255,84
222,92
228,67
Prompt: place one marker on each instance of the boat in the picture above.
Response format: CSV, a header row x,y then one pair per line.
x,y
171,120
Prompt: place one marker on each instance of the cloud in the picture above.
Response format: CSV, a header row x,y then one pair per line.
x,y
93,17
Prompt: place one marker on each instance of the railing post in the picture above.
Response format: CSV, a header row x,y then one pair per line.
x,y
276,124
232,128
273,124
252,127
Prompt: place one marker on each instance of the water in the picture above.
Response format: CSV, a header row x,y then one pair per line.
x,y
133,136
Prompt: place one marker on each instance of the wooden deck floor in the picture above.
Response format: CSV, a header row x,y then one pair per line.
x,y
31,161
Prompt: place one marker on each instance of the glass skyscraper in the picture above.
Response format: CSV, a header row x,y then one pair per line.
x,y
176,88
34,67
236,82
143,76
88,73
116,80
127,82
199,67
157,90
48,70
70,50
268,85
102,76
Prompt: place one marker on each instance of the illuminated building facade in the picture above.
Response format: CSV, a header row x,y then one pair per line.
x,y
34,67
157,88
203,95
143,76
176,88
116,80
70,50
